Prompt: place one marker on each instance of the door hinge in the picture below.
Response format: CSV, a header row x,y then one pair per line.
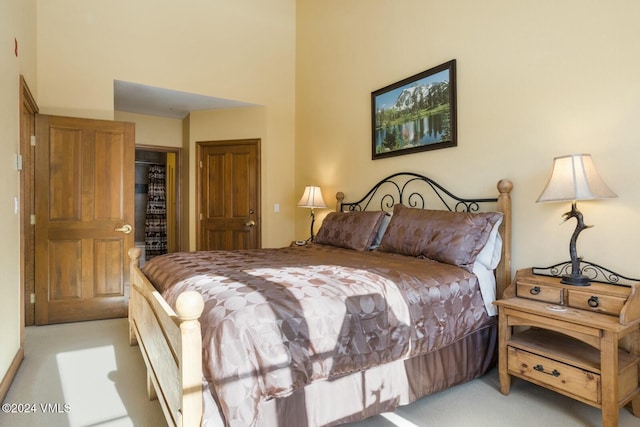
x,y
32,219
200,164
19,165
201,217
33,140
33,298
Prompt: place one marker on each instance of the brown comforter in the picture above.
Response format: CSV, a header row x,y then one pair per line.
x,y
278,319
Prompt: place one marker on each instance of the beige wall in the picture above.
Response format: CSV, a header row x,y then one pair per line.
x,y
17,21
241,51
154,130
535,80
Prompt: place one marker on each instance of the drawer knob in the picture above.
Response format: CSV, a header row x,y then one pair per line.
x,y
535,290
593,302
540,368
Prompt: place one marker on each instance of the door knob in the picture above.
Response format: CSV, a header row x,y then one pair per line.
x,y
250,223
126,229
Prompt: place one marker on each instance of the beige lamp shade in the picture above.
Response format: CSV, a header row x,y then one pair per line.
x,y
575,177
312,198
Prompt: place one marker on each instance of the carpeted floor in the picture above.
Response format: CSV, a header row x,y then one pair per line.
x,y
86,374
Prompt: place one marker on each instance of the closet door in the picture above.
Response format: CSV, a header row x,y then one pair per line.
x,y
84,215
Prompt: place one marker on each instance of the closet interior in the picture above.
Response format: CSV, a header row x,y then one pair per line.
x,y
155,202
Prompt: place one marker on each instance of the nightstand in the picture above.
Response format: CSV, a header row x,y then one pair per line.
x,y
581,341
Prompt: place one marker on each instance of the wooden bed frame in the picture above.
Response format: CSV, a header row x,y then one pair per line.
x,y
170,341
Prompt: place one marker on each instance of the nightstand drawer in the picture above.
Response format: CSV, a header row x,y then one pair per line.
x,y
564,378
539,292
595,302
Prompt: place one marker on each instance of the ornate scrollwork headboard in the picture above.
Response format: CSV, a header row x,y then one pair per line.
x,y
413,190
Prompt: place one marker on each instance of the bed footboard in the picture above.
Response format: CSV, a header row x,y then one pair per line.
x,y
171,346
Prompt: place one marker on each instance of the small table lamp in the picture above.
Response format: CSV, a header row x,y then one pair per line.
x,y
575,177
312,198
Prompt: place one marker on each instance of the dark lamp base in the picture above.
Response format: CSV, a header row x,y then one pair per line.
x,y
575,280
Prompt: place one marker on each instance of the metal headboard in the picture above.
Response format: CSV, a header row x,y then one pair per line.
x,y
410,189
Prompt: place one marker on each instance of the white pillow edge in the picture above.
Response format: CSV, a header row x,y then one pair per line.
x,y
489,255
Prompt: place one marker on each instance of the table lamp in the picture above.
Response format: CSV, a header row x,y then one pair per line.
x,y
574,177
312,198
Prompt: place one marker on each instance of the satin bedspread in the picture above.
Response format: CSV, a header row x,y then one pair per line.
x,y
276,320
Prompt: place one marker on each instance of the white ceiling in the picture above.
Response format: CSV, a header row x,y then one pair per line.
x,y
155,101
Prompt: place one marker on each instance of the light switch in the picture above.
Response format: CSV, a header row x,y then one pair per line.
x,y
276,207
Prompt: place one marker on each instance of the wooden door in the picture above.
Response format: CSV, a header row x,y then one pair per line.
x,y
28,110
229,195
84,211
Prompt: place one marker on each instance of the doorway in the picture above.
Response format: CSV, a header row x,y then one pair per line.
x,y
157,201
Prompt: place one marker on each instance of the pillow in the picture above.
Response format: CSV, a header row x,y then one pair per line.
x,y
491,253
383,227
451,237
351,230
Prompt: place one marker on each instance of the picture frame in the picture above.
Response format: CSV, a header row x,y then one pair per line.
x,y
415,114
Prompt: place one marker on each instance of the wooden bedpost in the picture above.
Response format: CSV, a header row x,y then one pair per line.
x,y
134,260
339,199
189,306
503,272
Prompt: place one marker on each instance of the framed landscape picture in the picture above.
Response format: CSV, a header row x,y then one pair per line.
x,y
415,114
